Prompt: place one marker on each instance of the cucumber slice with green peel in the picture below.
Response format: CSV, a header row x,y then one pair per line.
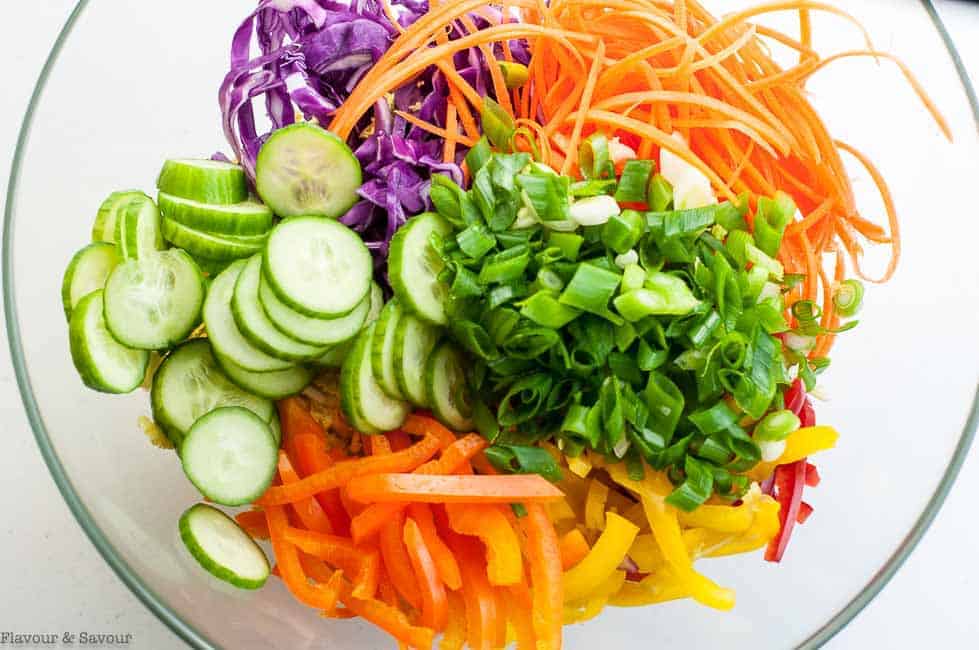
x,y
154,302
102,362
87,272
212,267
448,391
314,331
246,218
274,385
382,350
223,332
255,324
206,181
222,548
213,247
414,266
276,428
318,267
335,356
364,403
138,228
230,455
304,170
105,221
414,341
190,383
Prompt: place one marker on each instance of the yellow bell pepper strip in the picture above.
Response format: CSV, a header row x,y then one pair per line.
x,y
660,587
800,444
544,559
560,511
596,602
725,519
579,465
646,554
504,560
602,560
342,473
454,637
595,505
636,515
574,548
666,529
762,531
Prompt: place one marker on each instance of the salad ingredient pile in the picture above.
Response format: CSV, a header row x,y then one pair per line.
x,y
512,315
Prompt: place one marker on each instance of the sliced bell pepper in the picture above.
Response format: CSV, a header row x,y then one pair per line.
x,y
454,637
309,511
254,523
344,471
544,559
659,587
446,563
725,519
520,605
435,605
490,525
361,565
397,564
595,502
790,480
602,560
477,593
319,596
421,425
574,548
392,620
422,488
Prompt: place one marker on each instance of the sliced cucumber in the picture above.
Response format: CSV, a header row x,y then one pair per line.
x,y
138,228
213,247
105,221
305,170
102,362
189,383
230,455
448,390
276,428
87,272
414,341
256,326
335,355
278,384
364,403
246,218
413,267
318,267
207,181
382,350
212,267
225,551
153,303
222,331
314,331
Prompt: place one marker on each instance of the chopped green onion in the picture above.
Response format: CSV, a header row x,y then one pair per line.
x,y
474,338
478,156
447,197
504,293
704,329
544,309
514,74
530,341
590,290
593,187
519,510
715,451
633,277
719,417
807,313
524,399
792,280
665,403
594,210
593,157
771,218
659,195
521,459
497,125
688,222
569,243
546,195
696,487
663,294
848,297
505,266
476,240
776,426
484,421
737,245
466,284
634,181
623,230
757,257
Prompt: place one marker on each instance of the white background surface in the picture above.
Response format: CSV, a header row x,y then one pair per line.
x,y
53,580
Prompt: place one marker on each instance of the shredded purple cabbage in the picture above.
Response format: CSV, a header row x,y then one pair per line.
x,y
311,54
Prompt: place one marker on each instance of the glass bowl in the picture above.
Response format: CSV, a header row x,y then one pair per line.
x,y
129,84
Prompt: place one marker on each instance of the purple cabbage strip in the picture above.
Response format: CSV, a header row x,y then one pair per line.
x,y
312,53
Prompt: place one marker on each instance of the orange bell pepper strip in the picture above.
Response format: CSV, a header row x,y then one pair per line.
x,y
477,594
305,441
361,564
398,440
454,637
254,523
309,511
520,605
509,488
319,596
380,445
574,547
392,620
421,425
503,556
445,562
544,558
397,564
343,472
435,605
453,459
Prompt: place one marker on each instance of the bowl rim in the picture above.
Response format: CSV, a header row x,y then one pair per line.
x,y
194,637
